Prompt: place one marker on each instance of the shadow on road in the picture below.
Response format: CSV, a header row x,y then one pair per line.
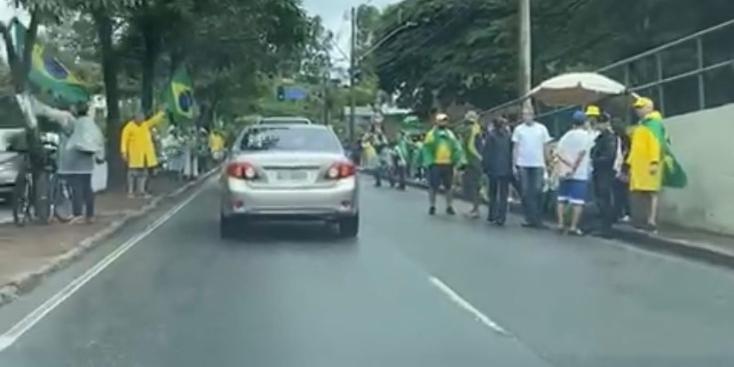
x,y
291,235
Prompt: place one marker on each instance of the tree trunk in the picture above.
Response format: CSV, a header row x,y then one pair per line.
x,y
151,43
115,166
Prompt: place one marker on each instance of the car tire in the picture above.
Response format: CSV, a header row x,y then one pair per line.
x,y
227,227
349,227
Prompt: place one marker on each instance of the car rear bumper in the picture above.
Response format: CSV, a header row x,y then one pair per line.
x,y
338,201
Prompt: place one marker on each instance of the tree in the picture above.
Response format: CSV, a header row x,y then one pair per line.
x,y
461,51
465,51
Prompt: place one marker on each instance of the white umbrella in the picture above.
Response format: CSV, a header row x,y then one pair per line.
x,y
576,89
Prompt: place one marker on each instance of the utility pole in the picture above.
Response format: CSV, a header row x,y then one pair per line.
x,y
326,97
352,71
525,64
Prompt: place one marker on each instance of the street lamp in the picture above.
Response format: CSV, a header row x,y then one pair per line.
x,y
355,60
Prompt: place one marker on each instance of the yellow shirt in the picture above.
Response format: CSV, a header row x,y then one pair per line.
x,y
216,142
443,153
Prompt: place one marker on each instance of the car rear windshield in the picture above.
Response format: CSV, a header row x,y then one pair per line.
x,y
290,139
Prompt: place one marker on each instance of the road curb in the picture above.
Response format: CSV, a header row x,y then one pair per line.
x,y
28,281
690,249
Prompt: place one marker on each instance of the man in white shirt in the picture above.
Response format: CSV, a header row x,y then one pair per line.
x,y
573,155
530,141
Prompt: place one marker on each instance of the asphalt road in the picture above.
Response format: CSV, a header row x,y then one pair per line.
x,y
411,291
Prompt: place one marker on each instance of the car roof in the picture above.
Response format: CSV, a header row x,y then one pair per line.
x,y
295,120
290,126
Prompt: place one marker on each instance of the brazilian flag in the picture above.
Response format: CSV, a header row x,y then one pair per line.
x,y
48,74
180,96
674,176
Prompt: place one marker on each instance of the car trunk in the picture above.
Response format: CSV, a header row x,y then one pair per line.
x,y
291,169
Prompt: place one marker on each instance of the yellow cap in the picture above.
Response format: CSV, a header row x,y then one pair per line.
x,y
643,102
442,117
593,111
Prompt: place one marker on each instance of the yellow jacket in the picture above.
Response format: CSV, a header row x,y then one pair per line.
x,y
645,151
216,142
136,144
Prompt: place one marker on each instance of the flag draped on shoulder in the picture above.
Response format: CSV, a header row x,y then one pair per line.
x,y
180,96
674,175
48,74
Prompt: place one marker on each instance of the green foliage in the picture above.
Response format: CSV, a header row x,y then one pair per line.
x,y
466,50
461,49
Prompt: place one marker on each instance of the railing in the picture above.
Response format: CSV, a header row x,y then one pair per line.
x,y
689,74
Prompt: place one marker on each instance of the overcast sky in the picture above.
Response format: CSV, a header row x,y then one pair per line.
x,y
335,14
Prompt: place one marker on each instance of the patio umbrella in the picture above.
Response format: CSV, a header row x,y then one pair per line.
x,y
576,89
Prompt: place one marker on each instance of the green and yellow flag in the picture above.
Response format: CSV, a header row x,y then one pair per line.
x,y
48,74
180,96
674,176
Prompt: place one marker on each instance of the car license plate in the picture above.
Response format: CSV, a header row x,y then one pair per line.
x,y
291,175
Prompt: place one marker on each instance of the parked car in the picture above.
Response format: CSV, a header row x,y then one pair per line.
x,y
10,163
289,171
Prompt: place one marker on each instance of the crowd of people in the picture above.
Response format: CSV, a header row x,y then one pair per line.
x,y
620,168
185,151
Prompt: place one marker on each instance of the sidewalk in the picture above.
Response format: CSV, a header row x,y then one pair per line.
x,y
30,253
700,245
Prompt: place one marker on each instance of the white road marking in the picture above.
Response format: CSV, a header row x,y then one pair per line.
x,y
11,336
461,302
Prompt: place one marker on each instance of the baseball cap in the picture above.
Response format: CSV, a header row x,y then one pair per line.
x,y
579,117
643,102
472,116
592,110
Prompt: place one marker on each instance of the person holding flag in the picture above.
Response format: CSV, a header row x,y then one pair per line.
x,y
138,151
442,154
179,98
652,164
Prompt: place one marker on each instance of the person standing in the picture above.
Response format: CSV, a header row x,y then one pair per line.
x,y
574,166
530,140
442,154
605,156
472,178
138,152
216,146
497,161
81,146
621,182
645,159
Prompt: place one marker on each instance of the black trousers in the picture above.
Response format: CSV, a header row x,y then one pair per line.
x,y
82,195
621,199
604,195
499,188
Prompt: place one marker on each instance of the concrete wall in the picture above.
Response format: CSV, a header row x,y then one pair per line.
x,y
703,141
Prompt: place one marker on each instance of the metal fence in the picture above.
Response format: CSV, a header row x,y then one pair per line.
x,y
689,74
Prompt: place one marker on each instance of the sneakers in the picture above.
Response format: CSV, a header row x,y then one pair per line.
x,y
473,215
449,211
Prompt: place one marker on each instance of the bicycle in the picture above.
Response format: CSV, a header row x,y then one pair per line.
x,y
43,194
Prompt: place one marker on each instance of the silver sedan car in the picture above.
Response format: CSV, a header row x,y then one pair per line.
x,y
289,172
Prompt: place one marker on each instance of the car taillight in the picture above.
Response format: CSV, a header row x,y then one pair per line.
x,y
241,170
341,170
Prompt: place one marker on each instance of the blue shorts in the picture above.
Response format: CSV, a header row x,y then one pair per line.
x,y
573,192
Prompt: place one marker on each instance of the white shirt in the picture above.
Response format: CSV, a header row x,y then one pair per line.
x,y
530,141
573,143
